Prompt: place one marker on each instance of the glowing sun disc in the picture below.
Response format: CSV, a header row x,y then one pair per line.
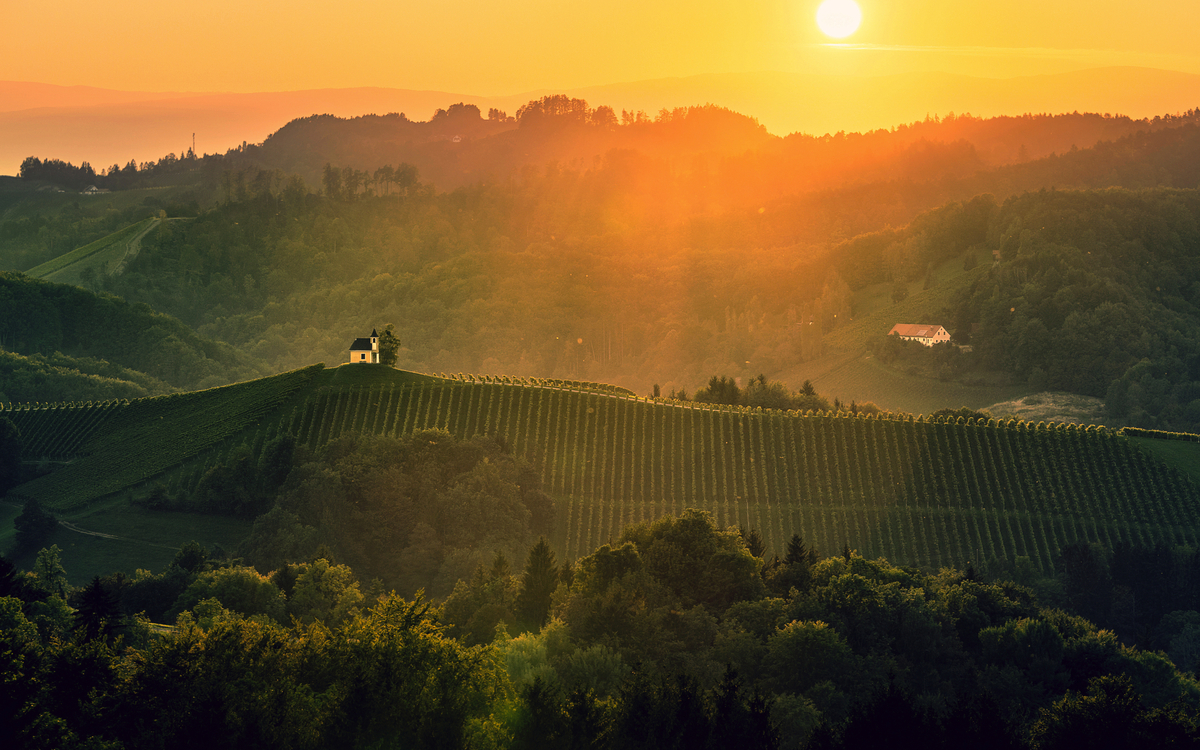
x,y
839,18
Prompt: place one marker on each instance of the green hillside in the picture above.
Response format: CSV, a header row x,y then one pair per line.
x,y
924,306
916,491
67,334
69,267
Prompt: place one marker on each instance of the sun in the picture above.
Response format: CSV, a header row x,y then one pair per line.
x,y
839,18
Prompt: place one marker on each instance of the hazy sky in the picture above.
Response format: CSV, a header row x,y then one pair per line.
x,y
494,48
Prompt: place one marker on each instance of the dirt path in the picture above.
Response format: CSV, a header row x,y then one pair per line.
x,y
133,246
72,527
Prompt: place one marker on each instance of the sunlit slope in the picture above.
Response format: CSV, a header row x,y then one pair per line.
x,y
69,267
915,491
926,306
848,372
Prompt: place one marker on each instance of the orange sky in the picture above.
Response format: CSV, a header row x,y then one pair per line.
x,y
490,48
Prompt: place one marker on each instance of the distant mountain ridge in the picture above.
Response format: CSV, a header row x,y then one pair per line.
x,y
110,127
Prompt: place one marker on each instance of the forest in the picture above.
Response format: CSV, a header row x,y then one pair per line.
x,y
674,630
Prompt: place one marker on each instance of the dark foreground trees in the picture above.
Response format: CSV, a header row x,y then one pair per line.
x,y
385,677
675,635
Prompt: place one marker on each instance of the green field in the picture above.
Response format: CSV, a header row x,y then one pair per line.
x,y
143,538
849,373
68,268
860,377
927,306
916,491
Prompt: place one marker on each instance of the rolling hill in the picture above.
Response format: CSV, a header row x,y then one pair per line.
x,y
918,491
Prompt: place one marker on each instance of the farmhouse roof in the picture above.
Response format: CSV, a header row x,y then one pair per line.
x,y
919,330
361,345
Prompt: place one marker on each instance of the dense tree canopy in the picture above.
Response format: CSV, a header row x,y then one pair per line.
x,y
420,512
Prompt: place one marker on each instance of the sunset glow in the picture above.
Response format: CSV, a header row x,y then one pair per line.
x,y
785,62
488,49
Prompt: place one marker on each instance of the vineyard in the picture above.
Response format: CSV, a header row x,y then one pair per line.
x,y
114,445
917,491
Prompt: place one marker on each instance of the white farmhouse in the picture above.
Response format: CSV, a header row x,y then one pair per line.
x,y
925,333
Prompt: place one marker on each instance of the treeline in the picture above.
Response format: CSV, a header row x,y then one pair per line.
x,y
748,163
561,295
58,378
1096,293
1092,292
115,177
765,394
481,290
1148,595
634,269
459,145
677,635
353,646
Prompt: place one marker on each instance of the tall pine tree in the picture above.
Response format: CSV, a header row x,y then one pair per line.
x,y
98,614
537,586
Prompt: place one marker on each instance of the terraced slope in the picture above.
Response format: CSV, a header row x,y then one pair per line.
x,y
918,492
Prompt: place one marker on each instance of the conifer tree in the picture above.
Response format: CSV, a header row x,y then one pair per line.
x,y
795,572
10,579
754,541
537,586
798,553
98,614
33,526
500,567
